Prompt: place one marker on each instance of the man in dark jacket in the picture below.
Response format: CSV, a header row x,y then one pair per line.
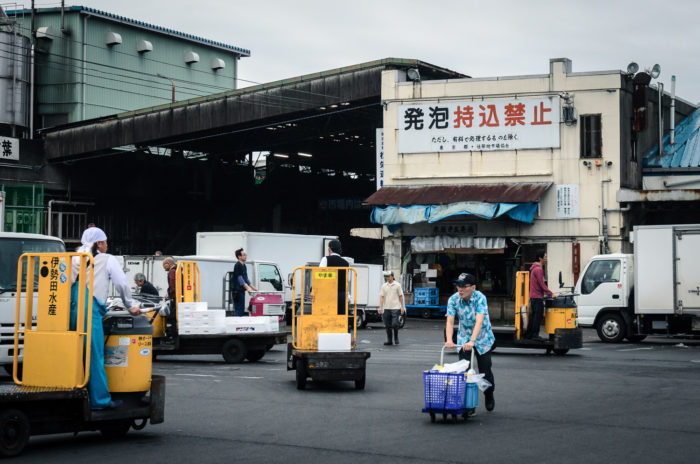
x,y
145,287
537,291
335,260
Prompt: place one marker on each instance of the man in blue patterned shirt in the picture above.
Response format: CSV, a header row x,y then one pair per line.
x,y
475,331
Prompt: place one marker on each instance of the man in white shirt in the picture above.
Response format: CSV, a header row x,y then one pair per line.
x,y
391,303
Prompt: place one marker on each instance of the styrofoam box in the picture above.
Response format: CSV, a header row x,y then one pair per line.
x,y
334,342
211,315
197,306
273,324
199,330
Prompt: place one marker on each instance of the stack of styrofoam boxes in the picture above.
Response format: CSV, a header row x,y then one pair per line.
x,y
196,319
256,324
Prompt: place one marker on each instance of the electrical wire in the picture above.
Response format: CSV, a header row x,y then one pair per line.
x,y
167,63
270,98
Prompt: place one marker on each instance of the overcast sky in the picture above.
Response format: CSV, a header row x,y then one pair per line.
x,y
479,38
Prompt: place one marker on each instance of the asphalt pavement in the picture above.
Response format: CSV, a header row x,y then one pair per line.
x,y
604,403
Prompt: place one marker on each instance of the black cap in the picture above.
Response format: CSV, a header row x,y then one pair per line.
x,y
335,247
465,279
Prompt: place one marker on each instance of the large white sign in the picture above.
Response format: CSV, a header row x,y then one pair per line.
x,y
9,148
567,201
380,158
479,125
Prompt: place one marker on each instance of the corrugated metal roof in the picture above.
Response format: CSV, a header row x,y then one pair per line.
x,y
446,194
685,152
141,24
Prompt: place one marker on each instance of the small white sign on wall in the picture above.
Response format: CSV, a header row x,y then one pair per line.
x,y
9,148
567,201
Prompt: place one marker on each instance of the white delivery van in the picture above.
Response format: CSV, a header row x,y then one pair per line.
x,y
656,290
12,246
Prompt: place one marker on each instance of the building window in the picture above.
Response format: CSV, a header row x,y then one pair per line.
x,y
591,136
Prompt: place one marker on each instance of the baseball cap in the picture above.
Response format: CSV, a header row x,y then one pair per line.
x,y
388,273
465,279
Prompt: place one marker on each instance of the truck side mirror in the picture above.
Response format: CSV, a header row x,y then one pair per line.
x,y
561,281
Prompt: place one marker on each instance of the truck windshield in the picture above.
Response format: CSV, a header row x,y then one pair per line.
x,y
10,251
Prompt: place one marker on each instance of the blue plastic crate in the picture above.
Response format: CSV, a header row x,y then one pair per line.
x,y
426,292
471,396
444,391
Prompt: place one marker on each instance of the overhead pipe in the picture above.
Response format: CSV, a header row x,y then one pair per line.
x,y
661,118
673,111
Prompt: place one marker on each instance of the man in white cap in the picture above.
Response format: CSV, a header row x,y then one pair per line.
x,y
391,303
106,269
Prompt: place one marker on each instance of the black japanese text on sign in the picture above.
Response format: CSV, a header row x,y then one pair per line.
x,y
479,125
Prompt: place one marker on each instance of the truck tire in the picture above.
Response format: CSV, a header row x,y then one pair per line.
x,y
426,313
360,320
255,355
301,376
611,328
14,432
360,383
560,351
234,351
116,430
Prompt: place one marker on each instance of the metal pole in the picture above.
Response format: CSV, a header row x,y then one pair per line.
x,y
673,111
661,119
2,211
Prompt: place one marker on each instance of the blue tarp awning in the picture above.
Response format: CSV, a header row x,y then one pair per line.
x,y
395,215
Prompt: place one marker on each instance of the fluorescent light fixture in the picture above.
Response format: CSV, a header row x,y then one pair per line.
x,y
305,155
280,155
334,106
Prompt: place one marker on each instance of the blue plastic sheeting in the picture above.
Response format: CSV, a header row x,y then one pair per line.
x,y
483,210
396,215
685,152
391,215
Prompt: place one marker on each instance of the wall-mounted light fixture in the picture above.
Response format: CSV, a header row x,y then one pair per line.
x,y
413,74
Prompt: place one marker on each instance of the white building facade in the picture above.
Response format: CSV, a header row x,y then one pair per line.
x,y
479,175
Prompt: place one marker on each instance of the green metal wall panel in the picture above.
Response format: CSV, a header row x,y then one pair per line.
x,y
117,78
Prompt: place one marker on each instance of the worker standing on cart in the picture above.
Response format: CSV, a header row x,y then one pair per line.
x,y
538,289
241,283
475,331
391,304
106,269
335,260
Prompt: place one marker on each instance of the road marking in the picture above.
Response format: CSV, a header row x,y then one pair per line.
x,y
247,377
695,360
585,349
197,375
636,349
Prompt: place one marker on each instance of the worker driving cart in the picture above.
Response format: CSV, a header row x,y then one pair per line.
x,y
106,269
538,289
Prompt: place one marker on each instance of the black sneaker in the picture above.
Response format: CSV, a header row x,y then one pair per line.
x,y
490,403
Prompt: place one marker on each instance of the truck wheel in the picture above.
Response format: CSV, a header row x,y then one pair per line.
x,y
360,383
115,430
360,320
426,313
255,355
234,351
636,338
14,432
402,320
301,376
611,328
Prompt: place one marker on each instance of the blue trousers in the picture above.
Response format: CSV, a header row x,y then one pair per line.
x,y
239,304
97,384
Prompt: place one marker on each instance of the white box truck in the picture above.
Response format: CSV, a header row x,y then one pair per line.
x,y
287,250
656,290
12,246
